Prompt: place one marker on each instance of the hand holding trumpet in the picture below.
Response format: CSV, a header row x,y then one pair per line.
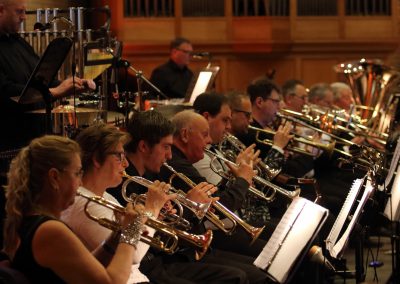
x,y
202,193
157,197
246,161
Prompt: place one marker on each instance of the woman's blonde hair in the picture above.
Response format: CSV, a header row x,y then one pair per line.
x,y
26,177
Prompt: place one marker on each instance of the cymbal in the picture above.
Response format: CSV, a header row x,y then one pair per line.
x,y
67,109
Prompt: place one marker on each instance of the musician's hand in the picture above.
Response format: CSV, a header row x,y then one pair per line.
x,y
244,170
248,155
282,135
202,193
131,212
67,86
157,195
358,140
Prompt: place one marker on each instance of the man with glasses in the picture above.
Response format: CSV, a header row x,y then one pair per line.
x,y
173,77
295,95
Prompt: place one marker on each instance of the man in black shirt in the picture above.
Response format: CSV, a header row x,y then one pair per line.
x,y
17,61
173,77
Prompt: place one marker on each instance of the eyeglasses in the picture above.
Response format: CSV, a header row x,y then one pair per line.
x,y
276,101
184,50
246,113
121,156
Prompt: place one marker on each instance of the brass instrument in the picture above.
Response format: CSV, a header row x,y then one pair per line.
x,y
238,146
173,234
328,148
329,122
199,209
212,217
257,179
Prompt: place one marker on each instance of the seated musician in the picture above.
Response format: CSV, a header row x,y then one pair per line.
x,y
265,99
190,138
103,163
42,182
150,147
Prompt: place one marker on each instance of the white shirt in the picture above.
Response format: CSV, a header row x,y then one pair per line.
x,y
92,234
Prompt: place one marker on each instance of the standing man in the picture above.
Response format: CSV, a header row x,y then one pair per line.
x,y
173,77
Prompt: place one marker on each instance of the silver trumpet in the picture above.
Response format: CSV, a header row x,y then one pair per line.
x,y
214,218
238,146
257,179
199,209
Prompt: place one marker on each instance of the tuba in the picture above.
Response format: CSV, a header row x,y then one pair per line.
x,y
213,218
202,242
371,81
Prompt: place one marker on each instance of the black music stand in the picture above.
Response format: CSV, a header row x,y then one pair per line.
x,y
37,88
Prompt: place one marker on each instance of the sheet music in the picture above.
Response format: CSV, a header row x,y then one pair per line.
x,y
344,212
296,229
393,165
392,209
340,245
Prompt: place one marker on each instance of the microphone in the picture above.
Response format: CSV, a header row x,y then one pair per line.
x,y
315,255
41,27
200,55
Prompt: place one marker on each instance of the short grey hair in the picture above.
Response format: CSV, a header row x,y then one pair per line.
x,y
318,91
184,119
337,87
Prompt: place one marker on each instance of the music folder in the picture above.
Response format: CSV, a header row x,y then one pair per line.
x,y
37,87
291,239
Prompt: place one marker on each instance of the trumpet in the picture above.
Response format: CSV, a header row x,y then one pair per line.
x,y
328,148
212,217
238,146
199,209
257,179
173,234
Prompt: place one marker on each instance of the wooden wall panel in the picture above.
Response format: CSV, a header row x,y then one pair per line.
x,y
149,30
318,70
322,28
201,30
356,28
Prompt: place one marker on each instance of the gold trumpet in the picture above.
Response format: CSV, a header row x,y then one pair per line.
x,y
257,179
327,148
173,234
213,218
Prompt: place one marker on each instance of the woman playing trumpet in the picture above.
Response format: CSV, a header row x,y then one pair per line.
x,y
103,163
42,181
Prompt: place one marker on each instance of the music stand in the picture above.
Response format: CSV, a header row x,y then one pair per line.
x,y
37,87
201,82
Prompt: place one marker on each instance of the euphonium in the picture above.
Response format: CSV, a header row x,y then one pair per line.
x,y
257,179
253,231
238,146
199,209
200,241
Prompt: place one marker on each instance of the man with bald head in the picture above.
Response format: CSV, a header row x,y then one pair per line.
x,y
191,136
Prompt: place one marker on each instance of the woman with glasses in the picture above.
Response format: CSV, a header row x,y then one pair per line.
x,y
104,162
42,182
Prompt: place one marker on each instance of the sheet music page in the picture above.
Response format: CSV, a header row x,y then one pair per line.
x,y
340,245
392,210
344,212
393,165
292,234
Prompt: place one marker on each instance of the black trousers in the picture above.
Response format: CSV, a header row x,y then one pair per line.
x,y
177,269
